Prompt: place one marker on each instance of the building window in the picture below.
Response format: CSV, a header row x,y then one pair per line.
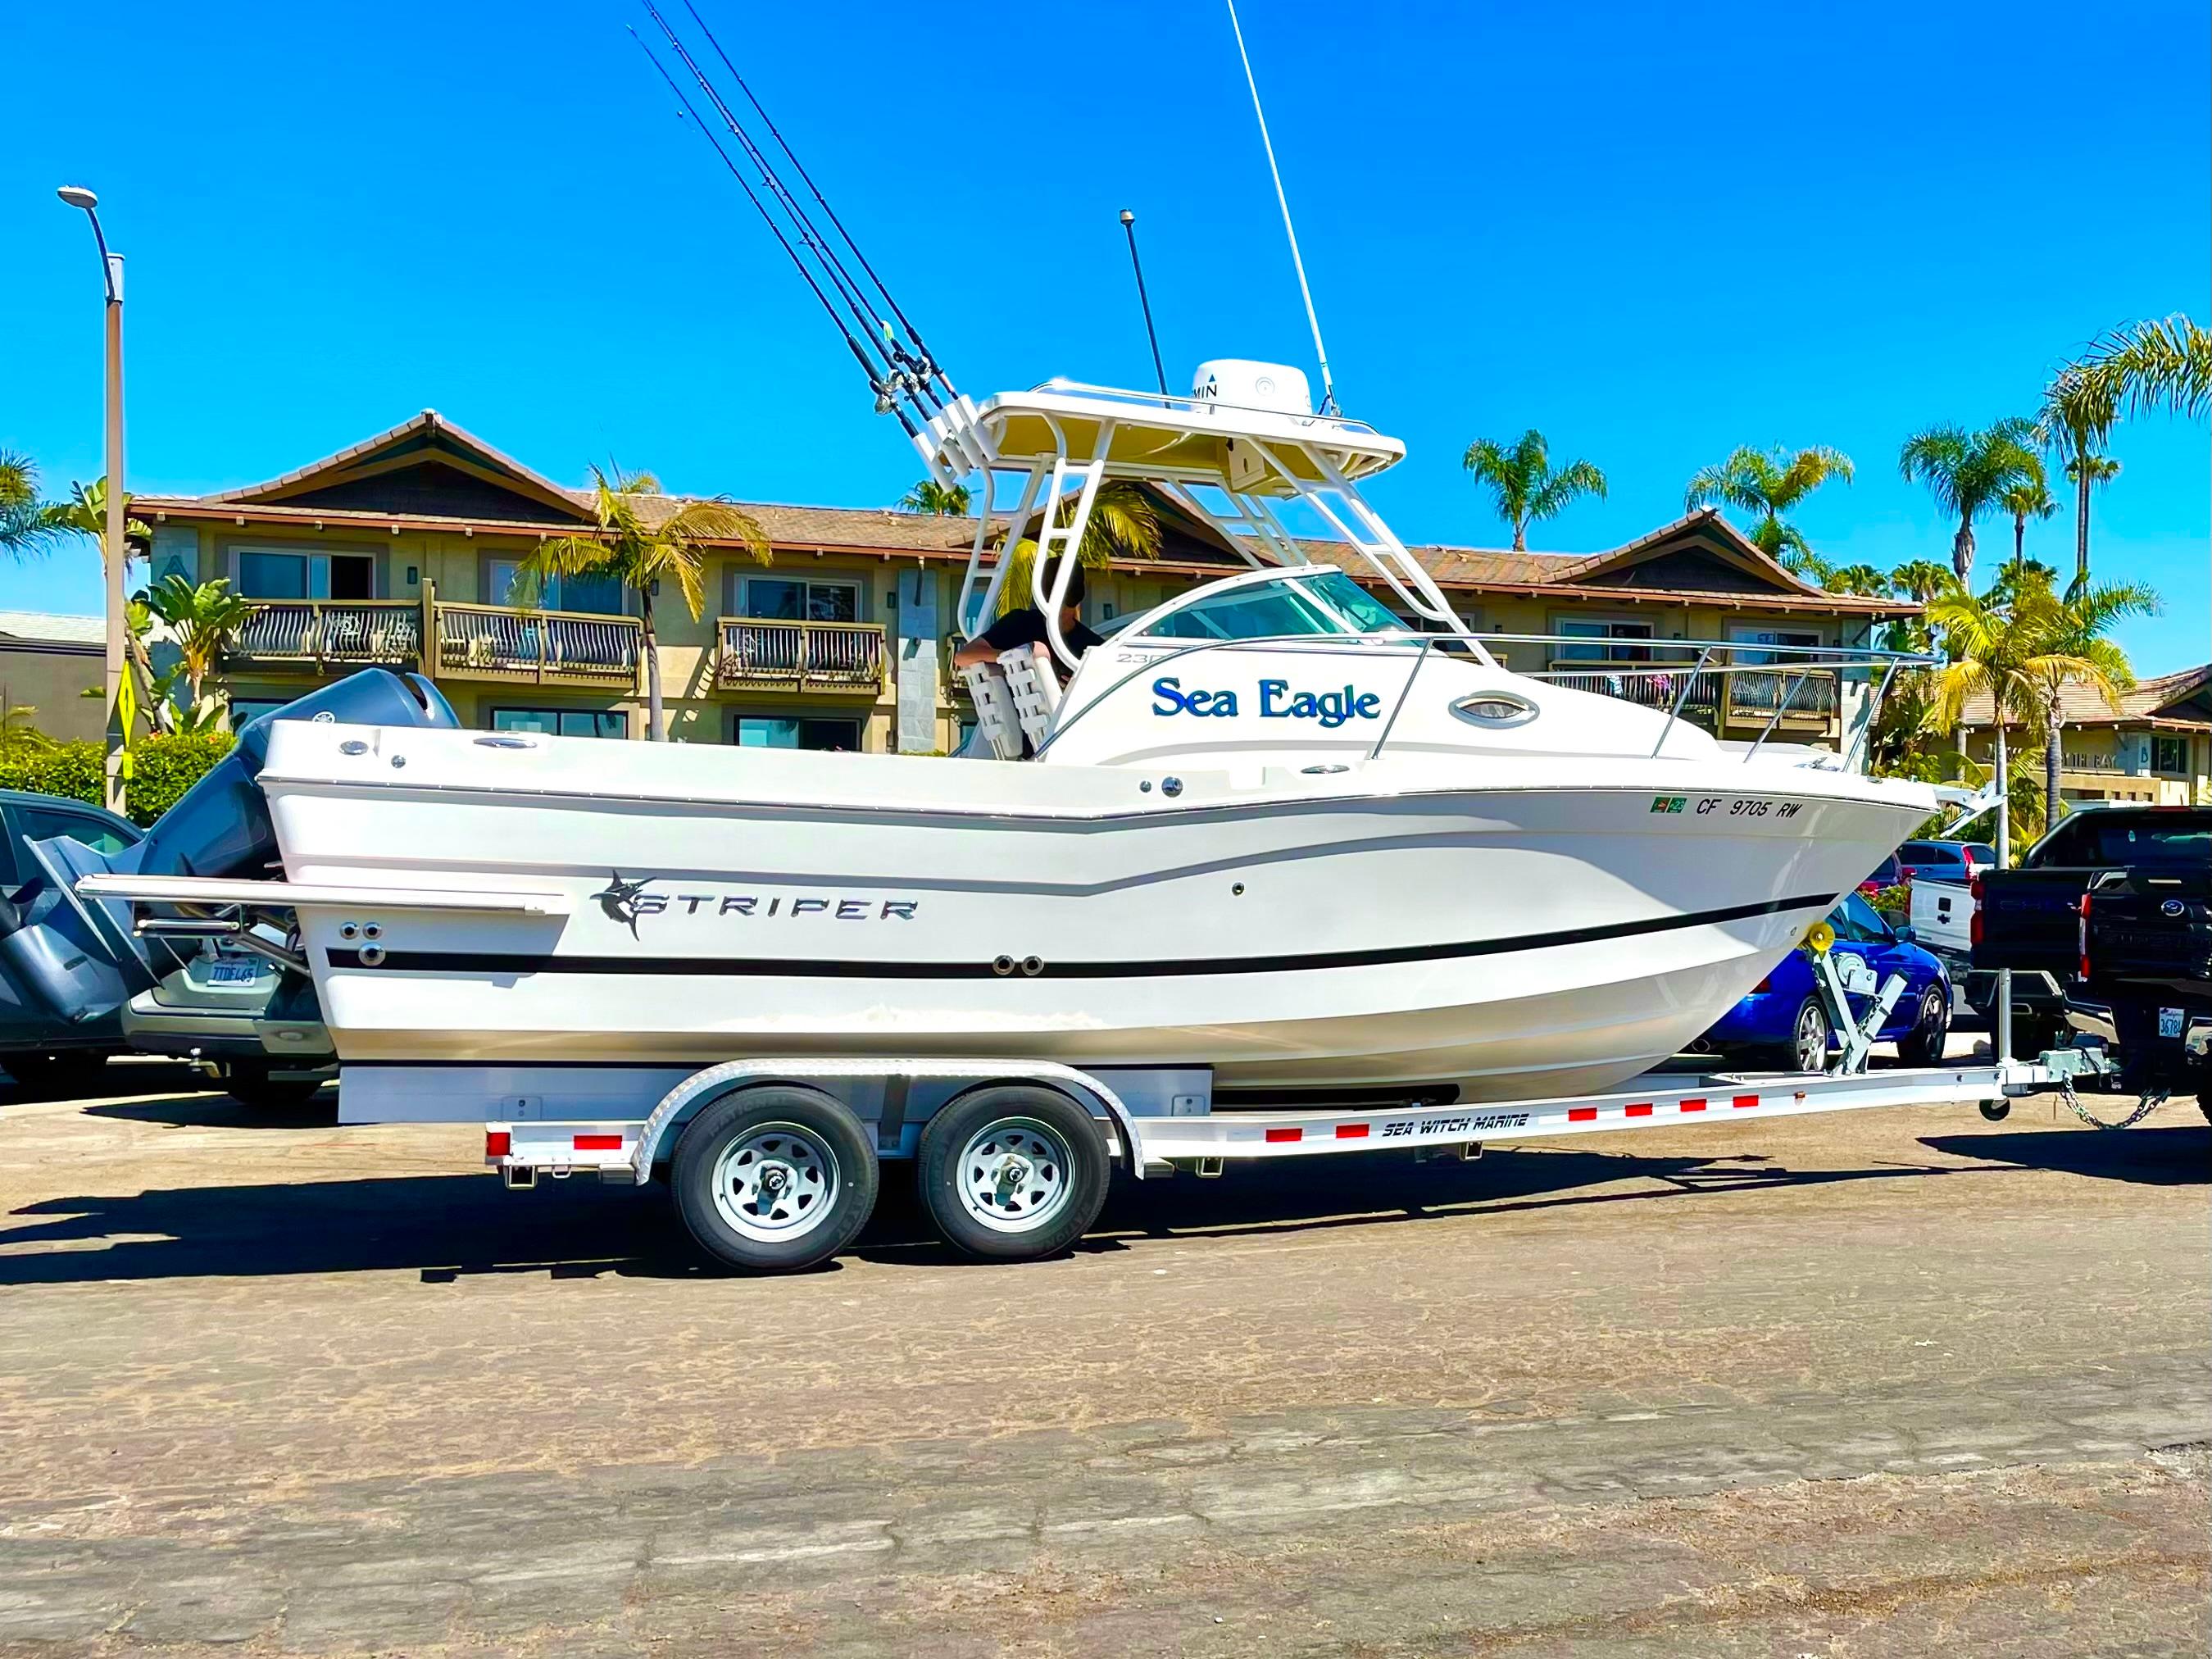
x,y
781,599
2169,754
1601,634
594,595
796,731
562,722
270,573
1789,637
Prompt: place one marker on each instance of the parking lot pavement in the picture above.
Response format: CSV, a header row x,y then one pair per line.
x,y
1870,1382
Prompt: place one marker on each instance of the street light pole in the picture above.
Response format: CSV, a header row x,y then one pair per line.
x,y
111,266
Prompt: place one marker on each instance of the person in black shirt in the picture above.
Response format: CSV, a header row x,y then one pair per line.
x,y
1026,627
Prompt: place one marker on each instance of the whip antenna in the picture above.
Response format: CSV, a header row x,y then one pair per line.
x,y
1327,385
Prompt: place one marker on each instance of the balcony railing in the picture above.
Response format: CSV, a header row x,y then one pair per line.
x,y
320,635
806,656
495,642
1747,695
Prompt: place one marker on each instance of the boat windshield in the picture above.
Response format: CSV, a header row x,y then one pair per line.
x,y
1328,602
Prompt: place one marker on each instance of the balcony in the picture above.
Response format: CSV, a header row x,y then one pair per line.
x,y
799,656
538,647
326,636
1747,698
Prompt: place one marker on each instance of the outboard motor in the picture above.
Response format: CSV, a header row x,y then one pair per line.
x,y
76,961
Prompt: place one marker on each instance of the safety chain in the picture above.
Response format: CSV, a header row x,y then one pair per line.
x,y
2151,1102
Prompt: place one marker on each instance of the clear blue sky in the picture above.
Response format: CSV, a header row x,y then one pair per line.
x,y
1654,233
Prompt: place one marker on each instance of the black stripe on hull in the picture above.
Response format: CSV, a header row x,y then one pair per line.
x,y
514,964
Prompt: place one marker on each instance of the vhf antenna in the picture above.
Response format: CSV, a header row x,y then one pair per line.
x,y
1327,385
1129,224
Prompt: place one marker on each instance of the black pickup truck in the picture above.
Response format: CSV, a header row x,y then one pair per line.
x,y
2112,913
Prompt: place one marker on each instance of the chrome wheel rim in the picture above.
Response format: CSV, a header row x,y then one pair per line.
x,y
1013,1174
1935,1016
776,1182
1811,1039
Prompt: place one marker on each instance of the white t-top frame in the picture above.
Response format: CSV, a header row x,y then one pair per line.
x,y
1063,439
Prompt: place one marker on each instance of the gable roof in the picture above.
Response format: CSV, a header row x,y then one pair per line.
x,y
2155,704
428,439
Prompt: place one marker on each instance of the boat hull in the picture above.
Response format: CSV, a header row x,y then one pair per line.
x,y
1537,936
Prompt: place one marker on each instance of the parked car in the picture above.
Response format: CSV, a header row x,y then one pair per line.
x,y
1946,860
216,1009
1783,1017
1890,872
2108,917
47,1054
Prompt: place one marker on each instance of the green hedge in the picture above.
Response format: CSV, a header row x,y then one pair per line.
x,y
169,766
166,767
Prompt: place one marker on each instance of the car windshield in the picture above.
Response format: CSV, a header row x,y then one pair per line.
x,y
2179,848
1328,603
1857,920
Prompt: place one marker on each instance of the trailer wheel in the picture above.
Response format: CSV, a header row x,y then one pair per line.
x,y
1013,1172
775,1178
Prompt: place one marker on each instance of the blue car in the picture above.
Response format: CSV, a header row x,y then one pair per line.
x,y
1783,1016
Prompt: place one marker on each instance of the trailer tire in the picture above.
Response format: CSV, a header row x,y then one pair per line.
x,y
1013,1172
774,1179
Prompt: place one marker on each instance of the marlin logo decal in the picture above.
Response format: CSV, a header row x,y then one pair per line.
x,y
619,900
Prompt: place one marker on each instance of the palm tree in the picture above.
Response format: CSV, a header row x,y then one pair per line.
x,y
1123,524
86,513
2017,648
1770,483
23,526
2075,625
642,550
203,619
1967,472
1855,579
1523,484
946,501
2030,498
2089,472
2165,364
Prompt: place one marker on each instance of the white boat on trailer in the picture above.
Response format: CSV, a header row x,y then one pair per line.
x,y
1291,843
1276,873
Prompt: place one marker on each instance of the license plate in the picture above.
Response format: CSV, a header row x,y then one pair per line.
x,y
2169,1021
233,973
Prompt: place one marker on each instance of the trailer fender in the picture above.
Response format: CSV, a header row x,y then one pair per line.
x,y
715,1081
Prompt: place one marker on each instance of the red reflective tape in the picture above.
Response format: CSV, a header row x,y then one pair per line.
x,y
1285,1135
1693,1105
1640,1111
1581,1113
498,1143
1351,1132
598,1143
1743,1101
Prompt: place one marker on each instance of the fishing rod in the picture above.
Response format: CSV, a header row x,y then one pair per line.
x,y
927,360
901,373
852,343
840,278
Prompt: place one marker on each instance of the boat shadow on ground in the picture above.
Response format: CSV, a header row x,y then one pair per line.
x,y
220,1111
445,1226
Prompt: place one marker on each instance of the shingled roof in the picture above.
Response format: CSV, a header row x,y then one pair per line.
x,y
2179,702
430,474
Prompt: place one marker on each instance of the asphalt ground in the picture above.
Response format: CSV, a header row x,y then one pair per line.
x,y
1870,1382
